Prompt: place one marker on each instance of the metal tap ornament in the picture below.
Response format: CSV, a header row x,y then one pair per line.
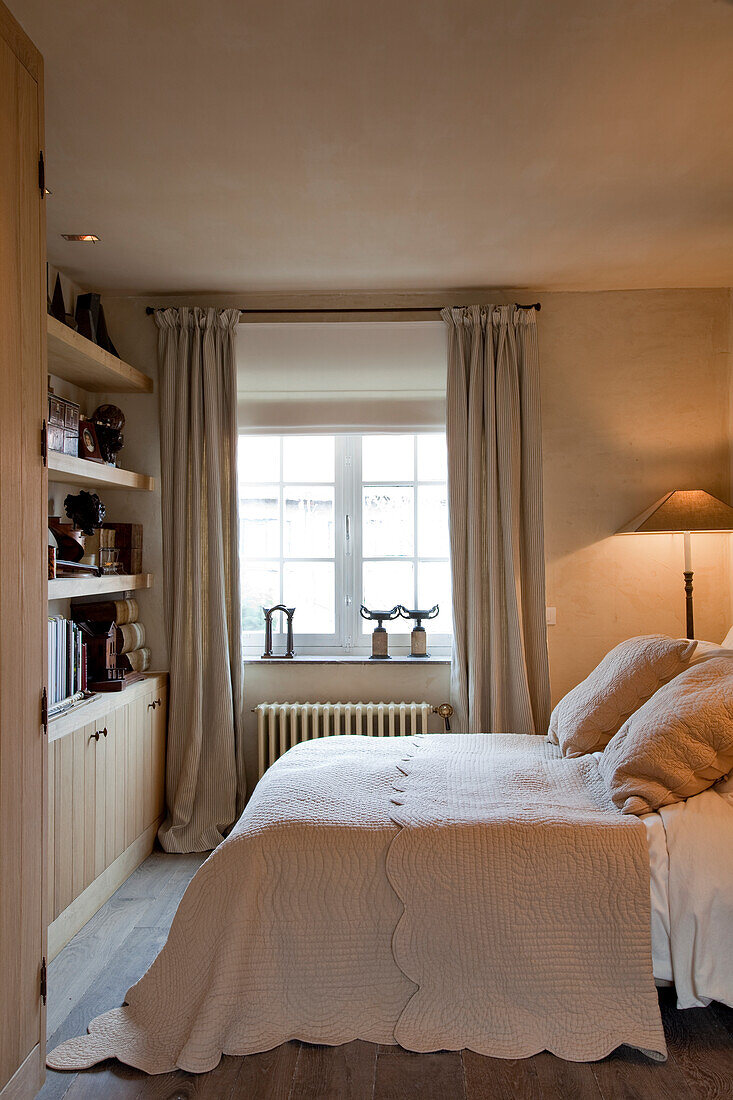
x,y
418,637
380,641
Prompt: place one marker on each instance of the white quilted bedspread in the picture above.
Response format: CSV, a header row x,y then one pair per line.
x,y
439,892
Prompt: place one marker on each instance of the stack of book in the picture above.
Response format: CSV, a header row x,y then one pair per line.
x,y
126,540
67,663
131,650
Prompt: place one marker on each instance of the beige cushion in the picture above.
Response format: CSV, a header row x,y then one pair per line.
x,y
589,715
705,650
677,744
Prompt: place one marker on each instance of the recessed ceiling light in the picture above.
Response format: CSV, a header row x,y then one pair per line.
x,y
79,237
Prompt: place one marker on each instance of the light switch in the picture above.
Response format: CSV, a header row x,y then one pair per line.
x,y
551,616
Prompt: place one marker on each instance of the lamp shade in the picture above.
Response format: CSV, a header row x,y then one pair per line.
x,y
682,510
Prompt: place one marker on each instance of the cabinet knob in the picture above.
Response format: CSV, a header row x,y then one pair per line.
x,y
94,735
104,731
151,706
159,702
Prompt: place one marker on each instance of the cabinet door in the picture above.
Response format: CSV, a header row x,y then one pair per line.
x,y
23,504
139,714
81,771
117,783
159,726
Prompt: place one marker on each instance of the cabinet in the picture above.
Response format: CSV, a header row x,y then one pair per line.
x,y
106,794
22,567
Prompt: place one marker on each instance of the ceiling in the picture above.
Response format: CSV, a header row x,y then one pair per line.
x,y
275,145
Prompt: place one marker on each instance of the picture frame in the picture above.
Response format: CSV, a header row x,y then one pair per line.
x,y
88,441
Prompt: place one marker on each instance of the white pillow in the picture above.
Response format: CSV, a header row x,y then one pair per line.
x,y
586,719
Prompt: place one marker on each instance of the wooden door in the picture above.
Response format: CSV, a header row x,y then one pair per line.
x,y
138,764
159,728
81,776
22,563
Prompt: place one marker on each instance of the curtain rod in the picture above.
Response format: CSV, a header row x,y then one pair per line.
x,y
347,309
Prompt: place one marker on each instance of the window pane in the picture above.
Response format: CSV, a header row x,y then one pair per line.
x,y
388,458
432,457
308,458
386,583
260,588
309,522
432,521
388,521
259,521
433,586
308,586
259,458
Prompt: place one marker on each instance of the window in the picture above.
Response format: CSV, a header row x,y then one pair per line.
x,y
328,522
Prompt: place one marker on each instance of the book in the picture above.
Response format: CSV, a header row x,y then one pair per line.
x,y
65,661
116,611
130,636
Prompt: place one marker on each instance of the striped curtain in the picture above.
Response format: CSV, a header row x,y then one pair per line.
x,y
205,780
499,668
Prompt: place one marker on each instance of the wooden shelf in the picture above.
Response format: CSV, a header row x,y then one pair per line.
x,y
77,360
80,471
64,588
101,703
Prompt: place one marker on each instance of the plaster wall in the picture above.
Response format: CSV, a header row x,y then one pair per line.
x,y
636,396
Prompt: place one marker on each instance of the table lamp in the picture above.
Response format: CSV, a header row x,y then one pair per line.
x,y
685,511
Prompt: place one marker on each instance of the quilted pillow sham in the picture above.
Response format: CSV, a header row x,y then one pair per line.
x,y
678,744
586,719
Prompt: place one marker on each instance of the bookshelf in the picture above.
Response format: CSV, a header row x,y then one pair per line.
x,y
79,361
81,471
64,588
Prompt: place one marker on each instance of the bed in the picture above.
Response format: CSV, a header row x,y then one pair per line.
x,y
440,892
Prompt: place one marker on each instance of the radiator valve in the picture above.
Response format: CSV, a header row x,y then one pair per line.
x,y
445,710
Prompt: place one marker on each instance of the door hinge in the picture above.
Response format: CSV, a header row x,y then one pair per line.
x,y
41,174
44,980
44,442
44,710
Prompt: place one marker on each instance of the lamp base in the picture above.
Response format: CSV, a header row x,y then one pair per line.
x,y
688,605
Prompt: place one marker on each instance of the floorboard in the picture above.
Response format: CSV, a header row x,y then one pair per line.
x,y
701,1047
724,1016
93,973
268,1076
629,1075
335,1073
571,1080
89,952
500,1078
402,1075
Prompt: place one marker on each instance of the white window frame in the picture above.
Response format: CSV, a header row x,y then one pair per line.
x,y
348,638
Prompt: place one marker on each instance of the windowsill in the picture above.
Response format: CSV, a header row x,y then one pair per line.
x,y
314,659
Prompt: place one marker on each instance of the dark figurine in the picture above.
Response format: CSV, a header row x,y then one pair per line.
x,y
57,306
109,422
86,511
91,322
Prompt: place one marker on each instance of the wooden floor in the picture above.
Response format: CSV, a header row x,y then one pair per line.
x,y
93,973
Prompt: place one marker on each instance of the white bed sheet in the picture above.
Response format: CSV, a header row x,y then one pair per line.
x,y
691,881
656,840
